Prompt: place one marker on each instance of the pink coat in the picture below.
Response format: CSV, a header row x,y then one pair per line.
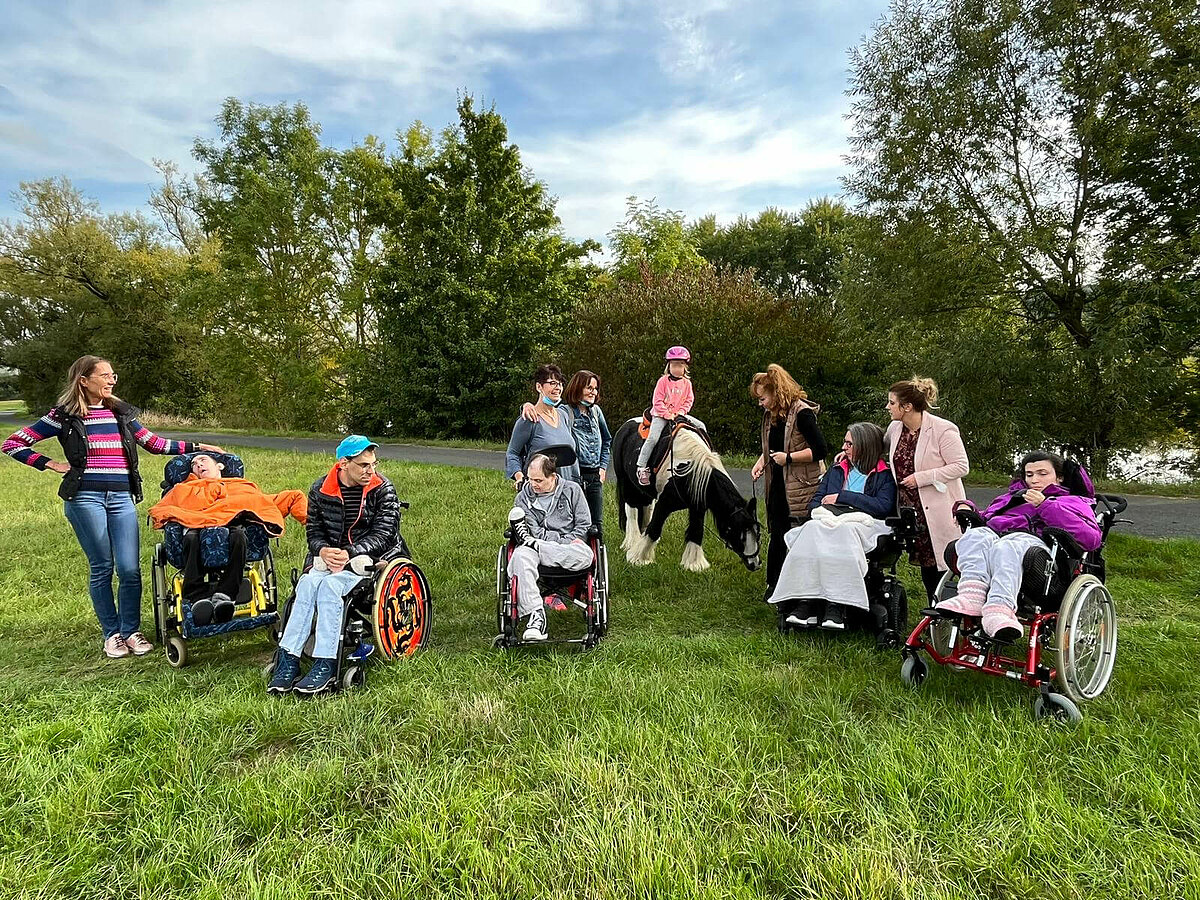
x,y
940,463
672,397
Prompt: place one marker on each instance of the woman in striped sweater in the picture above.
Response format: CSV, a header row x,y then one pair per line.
x,y
100,435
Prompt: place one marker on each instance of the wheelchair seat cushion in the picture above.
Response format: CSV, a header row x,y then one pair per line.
x,y
560,575
214,545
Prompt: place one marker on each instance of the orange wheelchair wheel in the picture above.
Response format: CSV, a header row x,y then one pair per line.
x,y
402,614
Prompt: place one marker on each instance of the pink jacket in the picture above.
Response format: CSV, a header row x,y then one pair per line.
x,y
940,463
1061,509
672,397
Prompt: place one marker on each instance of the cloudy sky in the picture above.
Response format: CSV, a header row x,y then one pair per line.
x,y
708,106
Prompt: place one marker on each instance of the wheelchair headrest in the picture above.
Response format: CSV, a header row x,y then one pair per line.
x,y
178,468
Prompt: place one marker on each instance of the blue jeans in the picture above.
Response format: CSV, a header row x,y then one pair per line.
x,y
319,595
106,523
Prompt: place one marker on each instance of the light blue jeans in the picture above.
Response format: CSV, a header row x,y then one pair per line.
x,y
318,595
106,524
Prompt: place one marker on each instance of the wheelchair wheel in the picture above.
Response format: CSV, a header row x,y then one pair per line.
x,y
913,671
1056,706
601,587
1086,639
503,595
402,614
158,581
177,654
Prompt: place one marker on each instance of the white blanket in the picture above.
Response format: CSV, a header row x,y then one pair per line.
x,y
827,558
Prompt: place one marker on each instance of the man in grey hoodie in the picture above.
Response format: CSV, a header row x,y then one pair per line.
x,y
550,523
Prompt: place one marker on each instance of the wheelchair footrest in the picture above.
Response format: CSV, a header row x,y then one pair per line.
x,y
361,652
244,623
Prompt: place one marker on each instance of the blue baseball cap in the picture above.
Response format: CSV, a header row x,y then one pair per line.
x,y
352,445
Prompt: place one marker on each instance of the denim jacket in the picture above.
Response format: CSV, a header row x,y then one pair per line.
x,y
592,437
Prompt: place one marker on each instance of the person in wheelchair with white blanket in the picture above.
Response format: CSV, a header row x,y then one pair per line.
x,y
823,575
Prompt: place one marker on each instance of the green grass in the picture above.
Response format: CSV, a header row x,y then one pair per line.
x,y
696,753
17,406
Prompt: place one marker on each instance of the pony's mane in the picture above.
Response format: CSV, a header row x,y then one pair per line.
x,y
689,446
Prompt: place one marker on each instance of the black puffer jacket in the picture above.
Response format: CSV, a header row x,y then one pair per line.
x,y
374,525
73,438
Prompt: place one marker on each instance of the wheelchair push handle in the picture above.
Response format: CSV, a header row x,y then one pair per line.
x,y
1113,503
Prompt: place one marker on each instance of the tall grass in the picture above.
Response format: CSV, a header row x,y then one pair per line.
x,y
696,753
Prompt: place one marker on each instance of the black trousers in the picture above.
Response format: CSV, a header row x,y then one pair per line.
x,y
230,580
931,575
593,492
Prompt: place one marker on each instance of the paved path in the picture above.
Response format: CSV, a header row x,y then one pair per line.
x,y
1150,516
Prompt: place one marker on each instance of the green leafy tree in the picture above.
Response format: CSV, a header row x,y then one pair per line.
x,y
652,241
793,254
73,282
993,145
477,284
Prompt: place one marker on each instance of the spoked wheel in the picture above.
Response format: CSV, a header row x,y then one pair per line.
x,y
913,671
402,614
1057,707
1086,638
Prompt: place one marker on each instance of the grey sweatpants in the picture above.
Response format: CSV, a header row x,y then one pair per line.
x,y
657,424
995,560
575,557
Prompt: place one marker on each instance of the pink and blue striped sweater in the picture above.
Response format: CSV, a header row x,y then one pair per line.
x,y
106,468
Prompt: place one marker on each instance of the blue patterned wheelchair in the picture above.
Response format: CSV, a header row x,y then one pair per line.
x,y
256,604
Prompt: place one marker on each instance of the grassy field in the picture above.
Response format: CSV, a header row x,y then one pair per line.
x,y
696,753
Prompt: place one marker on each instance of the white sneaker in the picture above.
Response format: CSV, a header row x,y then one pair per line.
x,y
535,626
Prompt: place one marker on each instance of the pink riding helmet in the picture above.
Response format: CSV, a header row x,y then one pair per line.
x,y
678,353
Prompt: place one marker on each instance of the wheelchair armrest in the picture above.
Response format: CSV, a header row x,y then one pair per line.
x,y
968,517
1068,544
904,523
592,532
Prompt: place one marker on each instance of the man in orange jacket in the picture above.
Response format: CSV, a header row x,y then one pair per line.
x,y
206,499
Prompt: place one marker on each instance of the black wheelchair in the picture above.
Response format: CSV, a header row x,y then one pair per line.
x,y
390,612
887,615
256,604
586,590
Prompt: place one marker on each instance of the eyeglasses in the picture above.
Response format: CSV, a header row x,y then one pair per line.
x,y
548,385
847,443
366,466
105,376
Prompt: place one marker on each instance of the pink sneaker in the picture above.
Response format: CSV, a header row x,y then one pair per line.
x,y
1000,622
554,602
115,647
138,644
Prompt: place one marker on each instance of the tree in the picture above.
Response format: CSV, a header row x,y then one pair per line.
x,y
792,254
74,282
995,142
266,199
652,241
477,284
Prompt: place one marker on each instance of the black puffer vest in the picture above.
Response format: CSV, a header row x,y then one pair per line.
x,y
73,438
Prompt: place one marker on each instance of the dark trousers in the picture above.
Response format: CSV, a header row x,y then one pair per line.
x,y
593,492
779,521
931,575
230,580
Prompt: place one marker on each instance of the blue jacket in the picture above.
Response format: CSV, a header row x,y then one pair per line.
x,y
878,498
592,437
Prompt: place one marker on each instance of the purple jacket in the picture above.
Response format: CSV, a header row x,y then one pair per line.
x,y
1072,513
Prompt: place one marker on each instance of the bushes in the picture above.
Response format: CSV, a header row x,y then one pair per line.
x,y
734,327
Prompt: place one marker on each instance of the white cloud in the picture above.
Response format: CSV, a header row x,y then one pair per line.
x,y
699,159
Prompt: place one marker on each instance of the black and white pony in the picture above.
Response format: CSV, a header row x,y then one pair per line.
x,y
692,478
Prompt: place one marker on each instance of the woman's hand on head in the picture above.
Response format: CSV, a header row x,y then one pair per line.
x,y
530,412
61,468
211,448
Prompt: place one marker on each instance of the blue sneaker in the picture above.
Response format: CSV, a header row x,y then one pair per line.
x,y
318,679
287,670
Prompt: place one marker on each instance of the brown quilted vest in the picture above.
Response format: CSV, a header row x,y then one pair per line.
x,y
800,479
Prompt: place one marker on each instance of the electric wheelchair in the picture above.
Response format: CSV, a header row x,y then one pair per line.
x,y
1065,608
586,590
256,605
389,612
887,615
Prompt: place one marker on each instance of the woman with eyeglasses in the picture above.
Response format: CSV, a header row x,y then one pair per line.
x,y
100,434
546,429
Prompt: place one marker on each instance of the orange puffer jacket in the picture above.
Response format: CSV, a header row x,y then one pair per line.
x,y
208,502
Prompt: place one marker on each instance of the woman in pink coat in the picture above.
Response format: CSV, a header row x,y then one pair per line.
x,y
927,456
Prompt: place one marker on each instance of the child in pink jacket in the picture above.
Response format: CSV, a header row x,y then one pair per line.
x,y
672,397
991,557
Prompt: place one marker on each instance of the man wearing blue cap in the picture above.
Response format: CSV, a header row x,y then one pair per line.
x,y
353,522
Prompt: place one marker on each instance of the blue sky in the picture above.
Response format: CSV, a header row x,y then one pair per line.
x,y
708,106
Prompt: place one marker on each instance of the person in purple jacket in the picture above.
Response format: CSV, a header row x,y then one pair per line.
x,y
990,557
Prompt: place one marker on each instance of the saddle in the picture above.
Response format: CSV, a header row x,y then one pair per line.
x,y
663,448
